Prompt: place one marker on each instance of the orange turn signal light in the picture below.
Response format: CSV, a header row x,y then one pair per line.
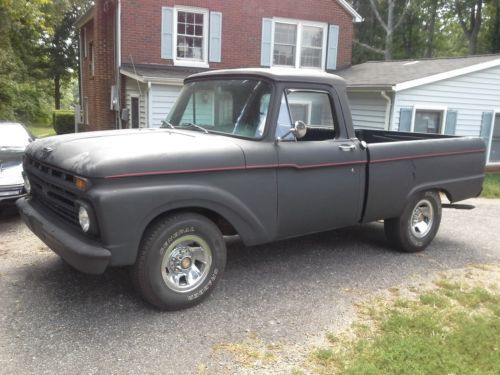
x,y
80,183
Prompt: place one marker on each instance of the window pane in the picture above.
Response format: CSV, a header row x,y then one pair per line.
x,y
310,57
233,107
312,36
285,41
313,108
428,122
285,33
284,55
284,121
495,141
190,36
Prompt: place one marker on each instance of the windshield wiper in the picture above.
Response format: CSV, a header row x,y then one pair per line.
x,y
191,125
166,124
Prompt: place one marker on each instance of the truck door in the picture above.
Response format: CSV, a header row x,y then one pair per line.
x,y
321,176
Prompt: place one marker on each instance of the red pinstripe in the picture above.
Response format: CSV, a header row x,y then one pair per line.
x,y
294,166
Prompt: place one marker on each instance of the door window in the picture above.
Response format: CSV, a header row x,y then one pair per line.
x,y
311,107
495,141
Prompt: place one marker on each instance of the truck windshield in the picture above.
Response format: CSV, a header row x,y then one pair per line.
x,y
232,106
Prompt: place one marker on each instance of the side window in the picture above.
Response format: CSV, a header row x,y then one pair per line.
x,y
312,108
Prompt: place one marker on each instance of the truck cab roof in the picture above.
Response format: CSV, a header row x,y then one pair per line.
x,y
276,74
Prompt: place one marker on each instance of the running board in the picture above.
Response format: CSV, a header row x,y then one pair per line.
x,y
458,206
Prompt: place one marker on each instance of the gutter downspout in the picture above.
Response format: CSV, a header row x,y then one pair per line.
x,y
387,109
118,60
149,106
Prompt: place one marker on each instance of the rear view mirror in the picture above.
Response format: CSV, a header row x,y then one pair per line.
x,y
299,131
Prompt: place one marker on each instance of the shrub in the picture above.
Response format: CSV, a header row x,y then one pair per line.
x,y
63,121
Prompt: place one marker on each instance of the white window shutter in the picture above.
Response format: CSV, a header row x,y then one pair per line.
x,y
266,45
215,37
333,44
167,33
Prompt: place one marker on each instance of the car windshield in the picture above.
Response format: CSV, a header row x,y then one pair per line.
x,y
232,106
13,136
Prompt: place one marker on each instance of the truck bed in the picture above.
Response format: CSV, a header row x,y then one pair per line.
x,y
400,164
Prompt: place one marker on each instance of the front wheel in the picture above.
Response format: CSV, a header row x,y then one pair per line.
x,y
418,224
181,259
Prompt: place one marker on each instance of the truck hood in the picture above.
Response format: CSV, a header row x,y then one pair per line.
x,y
122,153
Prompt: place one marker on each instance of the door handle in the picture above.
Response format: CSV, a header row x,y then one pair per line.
x,y
347,148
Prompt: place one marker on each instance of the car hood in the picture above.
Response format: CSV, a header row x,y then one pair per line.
x,y
11,166
122,153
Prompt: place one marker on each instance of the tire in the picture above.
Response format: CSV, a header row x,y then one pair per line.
x,y
417,226
181,258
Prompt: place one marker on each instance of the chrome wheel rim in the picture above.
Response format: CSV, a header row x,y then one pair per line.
x,y
422,218
186,263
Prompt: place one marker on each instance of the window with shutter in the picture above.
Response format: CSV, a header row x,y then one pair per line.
x,y
293,43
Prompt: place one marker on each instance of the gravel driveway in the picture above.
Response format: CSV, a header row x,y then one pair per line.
x,y
54,319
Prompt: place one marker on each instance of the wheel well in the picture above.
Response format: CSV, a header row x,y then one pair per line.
x,y
226,228
445,193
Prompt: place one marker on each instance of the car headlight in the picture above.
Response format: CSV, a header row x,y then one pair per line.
x,y
84,219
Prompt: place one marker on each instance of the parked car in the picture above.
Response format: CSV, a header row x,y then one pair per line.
x,y
264,154
14,138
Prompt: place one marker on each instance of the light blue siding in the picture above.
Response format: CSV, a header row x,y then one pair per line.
x,y
469,95
162,99
368,109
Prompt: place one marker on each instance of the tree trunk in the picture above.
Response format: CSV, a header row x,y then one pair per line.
x,y
495,42
57,91
429,48
390,30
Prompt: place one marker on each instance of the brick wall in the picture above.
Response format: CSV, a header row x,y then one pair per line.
x,y
241,27
96,88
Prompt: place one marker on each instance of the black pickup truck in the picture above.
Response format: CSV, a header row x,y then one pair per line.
x,y
263,154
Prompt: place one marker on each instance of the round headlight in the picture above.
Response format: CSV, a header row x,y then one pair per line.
x,y
83,218
27,185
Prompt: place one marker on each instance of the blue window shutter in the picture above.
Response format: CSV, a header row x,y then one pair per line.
x,y
486,122
167,33
215,36
451,122
405,119
333,45
265,46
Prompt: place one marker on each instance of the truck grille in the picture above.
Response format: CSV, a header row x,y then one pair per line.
x,y
54,189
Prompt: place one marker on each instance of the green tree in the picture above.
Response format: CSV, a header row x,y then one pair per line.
x,y
61,43
23,89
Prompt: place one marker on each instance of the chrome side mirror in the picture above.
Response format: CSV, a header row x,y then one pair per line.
x,y
299,131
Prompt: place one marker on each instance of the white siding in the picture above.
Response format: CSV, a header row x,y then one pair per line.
x,y
368,109
470,95
162,99
138,90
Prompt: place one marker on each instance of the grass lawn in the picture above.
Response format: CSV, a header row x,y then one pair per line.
x,y
452,329
41,131
491,186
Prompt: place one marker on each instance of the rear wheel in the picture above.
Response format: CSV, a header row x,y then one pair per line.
x,y
180,260
418,224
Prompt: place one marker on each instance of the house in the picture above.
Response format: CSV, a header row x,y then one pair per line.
x,y
134,54
456,96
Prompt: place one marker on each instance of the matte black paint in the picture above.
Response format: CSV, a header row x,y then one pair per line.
x,y
265,190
